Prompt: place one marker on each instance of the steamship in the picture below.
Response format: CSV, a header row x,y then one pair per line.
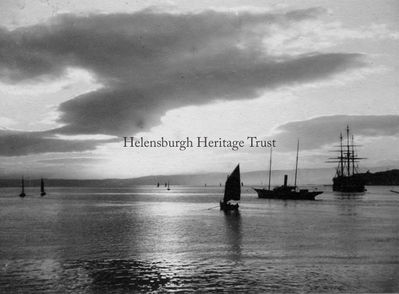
x,y
285,191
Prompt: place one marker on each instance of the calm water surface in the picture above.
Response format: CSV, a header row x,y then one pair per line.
x,y
146,239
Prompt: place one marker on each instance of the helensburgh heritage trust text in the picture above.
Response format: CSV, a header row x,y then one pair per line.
x,y
198,142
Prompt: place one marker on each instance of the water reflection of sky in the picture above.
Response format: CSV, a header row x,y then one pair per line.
x,y
233,234
126,242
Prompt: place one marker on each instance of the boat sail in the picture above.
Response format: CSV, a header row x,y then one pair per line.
x,y
42,192
22,195
232,191
346,177
286,192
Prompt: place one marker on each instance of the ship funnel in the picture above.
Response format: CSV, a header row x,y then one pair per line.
x,y
285,180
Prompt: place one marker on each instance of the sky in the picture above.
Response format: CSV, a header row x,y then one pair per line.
x,y
78,76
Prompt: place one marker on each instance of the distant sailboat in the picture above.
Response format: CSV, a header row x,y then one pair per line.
x,y
168,187
22,195
232,191
158,185
42,192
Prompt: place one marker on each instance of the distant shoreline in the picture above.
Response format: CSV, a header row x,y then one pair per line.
x,y
256,178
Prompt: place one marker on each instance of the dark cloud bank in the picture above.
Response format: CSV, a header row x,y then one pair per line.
x,y
14,143
150,62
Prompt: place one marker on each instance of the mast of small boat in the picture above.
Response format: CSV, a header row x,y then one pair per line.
x,y
42,192
296,164
168,186
23,188
270,167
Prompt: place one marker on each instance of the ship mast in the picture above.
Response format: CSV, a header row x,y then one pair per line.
x,y
296,164
353,156
270,166
348,157
341,159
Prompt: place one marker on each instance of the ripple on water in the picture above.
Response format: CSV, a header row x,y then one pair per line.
x,y
127,275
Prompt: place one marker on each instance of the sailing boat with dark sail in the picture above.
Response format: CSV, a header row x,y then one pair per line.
x,y
22,195
42,192
346,177
232,191
287,192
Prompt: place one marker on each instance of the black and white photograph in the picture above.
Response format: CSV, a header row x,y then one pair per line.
x,y
176,146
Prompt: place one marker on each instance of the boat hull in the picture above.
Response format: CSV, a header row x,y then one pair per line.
x,y
228,206
350,184
287,195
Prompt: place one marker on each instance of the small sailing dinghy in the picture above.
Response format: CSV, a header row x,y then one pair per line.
x,y
232,191
22,195
42,192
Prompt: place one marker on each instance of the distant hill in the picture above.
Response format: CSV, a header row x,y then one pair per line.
x,y
255,178
389,177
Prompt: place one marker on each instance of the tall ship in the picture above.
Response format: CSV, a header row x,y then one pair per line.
x,y
232,191
285,191
347,178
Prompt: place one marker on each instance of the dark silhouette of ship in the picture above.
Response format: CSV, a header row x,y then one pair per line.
x,y
347,179
42,192
285,191
232,191
22,195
